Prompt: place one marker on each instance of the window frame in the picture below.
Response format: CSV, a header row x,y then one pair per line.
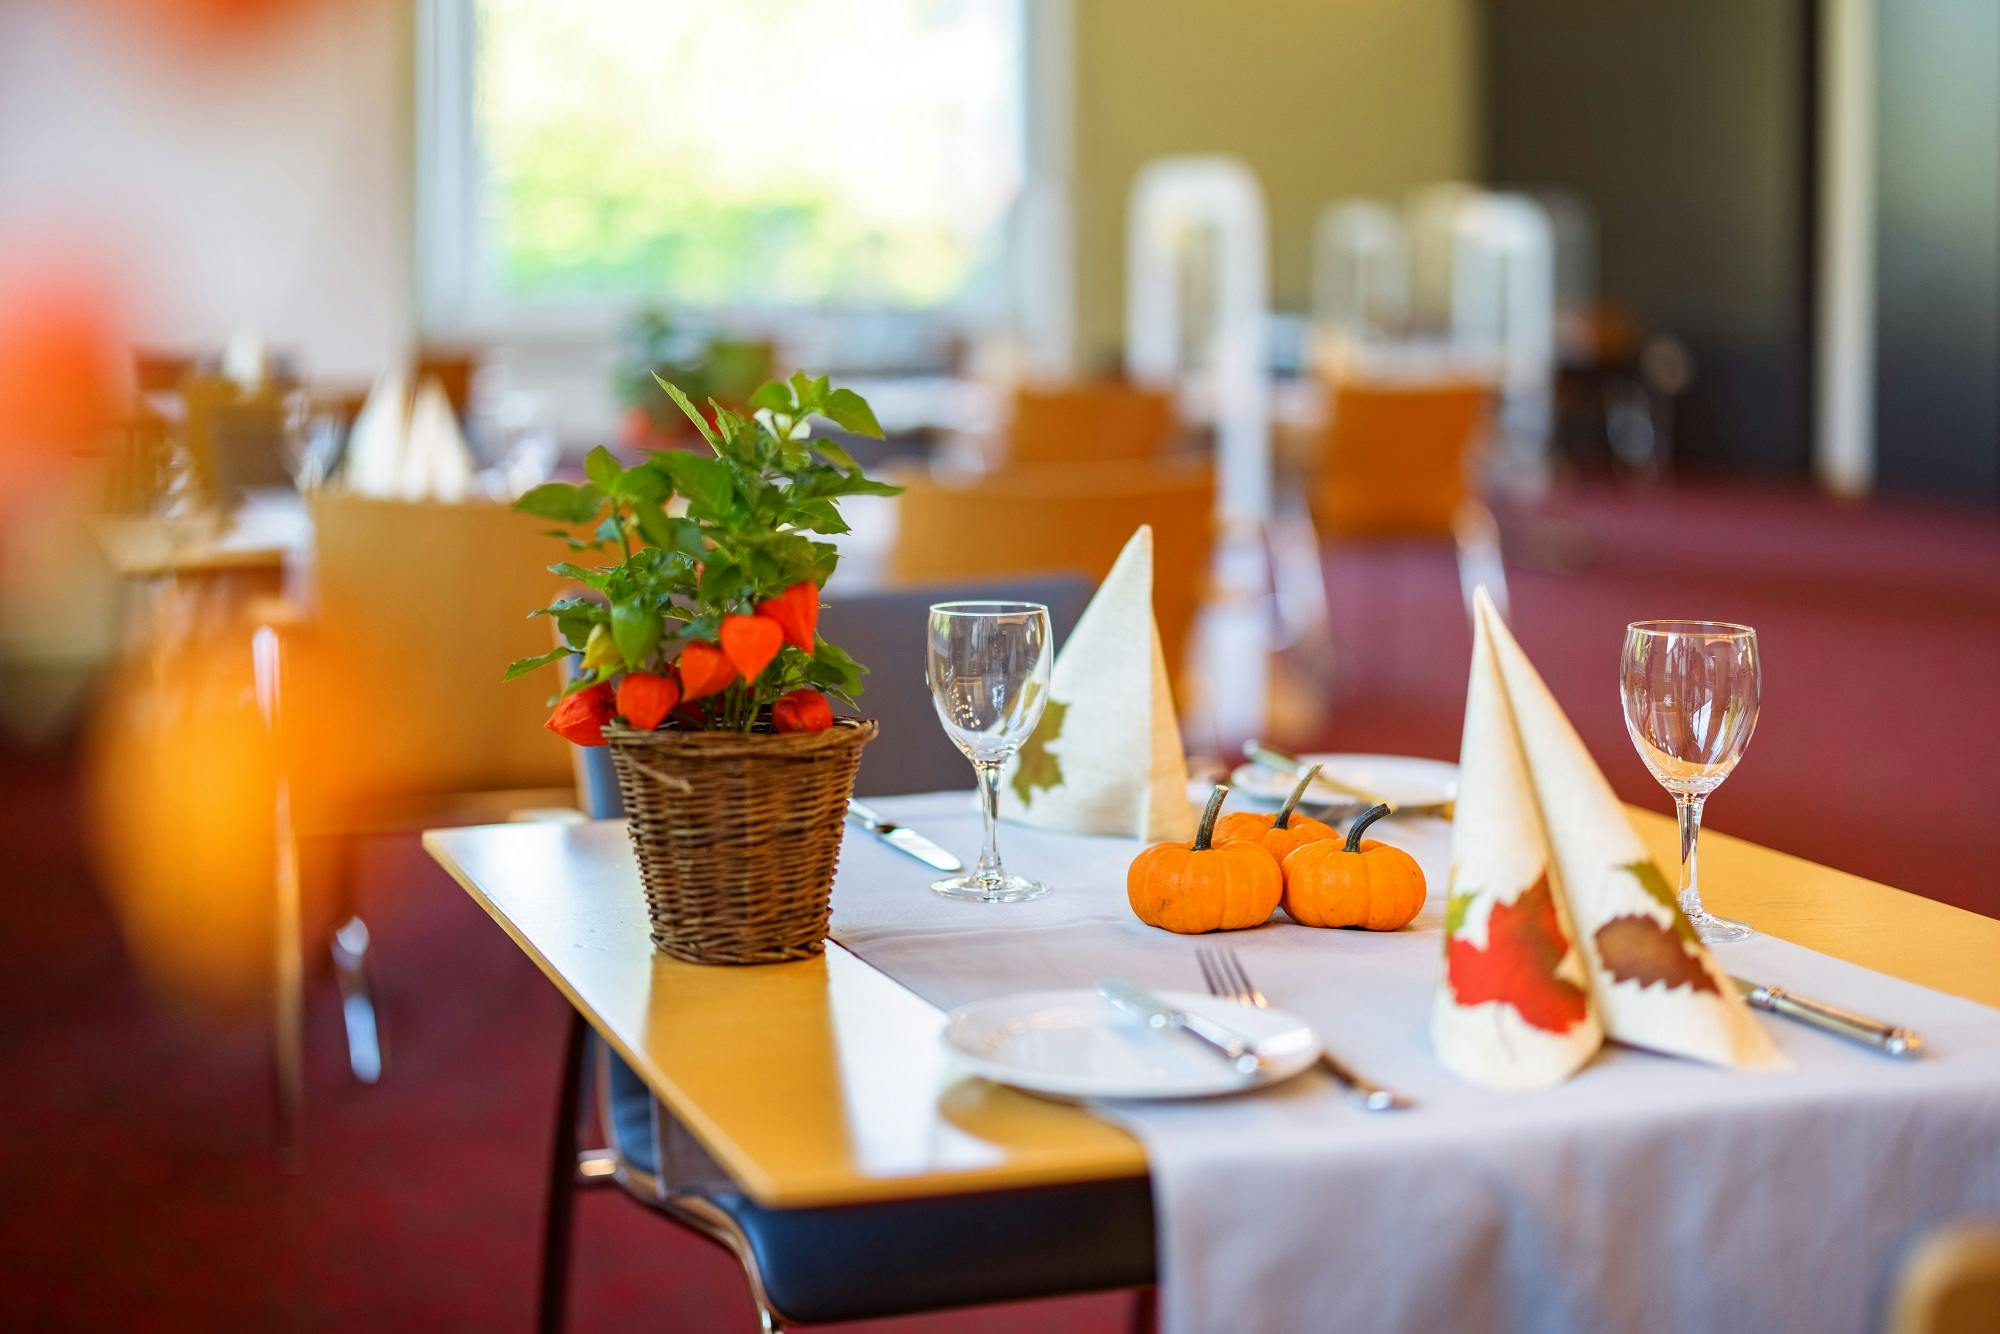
x,y
451,249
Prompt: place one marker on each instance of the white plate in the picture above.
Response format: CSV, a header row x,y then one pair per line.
x,y
1074,1044
1401,780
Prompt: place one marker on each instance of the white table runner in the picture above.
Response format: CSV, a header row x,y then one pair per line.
x,y
1647,1193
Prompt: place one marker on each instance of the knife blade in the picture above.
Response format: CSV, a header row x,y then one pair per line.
x,y
904,840
1292,767
1903,1043
1136,1001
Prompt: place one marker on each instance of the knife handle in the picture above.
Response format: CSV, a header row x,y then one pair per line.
x,y
863,816
1888,1039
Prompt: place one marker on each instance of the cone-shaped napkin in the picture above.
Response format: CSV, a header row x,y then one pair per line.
x,y
375,445
437,463
1514,1008
1653,982
1107,758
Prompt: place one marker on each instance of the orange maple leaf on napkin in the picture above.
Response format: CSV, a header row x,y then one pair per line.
x,y
1524,943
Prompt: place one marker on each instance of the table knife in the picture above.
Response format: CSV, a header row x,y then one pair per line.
x,y
1290,765
1359,798
904,840
1885,1038
1142,1004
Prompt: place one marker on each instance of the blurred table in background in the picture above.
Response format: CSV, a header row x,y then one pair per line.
x,y
264,532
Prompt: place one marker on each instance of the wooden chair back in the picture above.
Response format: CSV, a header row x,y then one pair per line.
x,y
1397,459
1089,423
1951,1283
418,608
1068,518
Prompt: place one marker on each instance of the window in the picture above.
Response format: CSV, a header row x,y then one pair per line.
x,y
741,158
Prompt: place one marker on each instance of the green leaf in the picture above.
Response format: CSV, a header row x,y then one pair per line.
x,y
682,402
819,516
570,570
721,581
849,411
604,469
773,396
1038,769
522,666
671,534
562,502
706,482
837,456
648,486
635,627
1454,913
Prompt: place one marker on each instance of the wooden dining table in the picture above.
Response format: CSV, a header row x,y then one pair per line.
x,y
824,1082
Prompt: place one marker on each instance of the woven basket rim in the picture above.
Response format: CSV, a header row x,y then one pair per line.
x,y
719,744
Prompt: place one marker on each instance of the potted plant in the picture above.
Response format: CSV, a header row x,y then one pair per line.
x,y
700,664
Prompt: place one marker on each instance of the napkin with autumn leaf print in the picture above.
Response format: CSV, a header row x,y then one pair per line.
x,y
1559,930
1106,757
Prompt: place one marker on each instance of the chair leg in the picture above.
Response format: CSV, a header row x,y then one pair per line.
x,y
561,1203
366,1051
288,1005
1146,1311
357,1000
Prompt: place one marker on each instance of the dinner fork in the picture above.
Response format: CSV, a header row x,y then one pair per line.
x,y
1225,976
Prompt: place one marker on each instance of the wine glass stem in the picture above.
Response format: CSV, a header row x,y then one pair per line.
x,y
989,810
1688,807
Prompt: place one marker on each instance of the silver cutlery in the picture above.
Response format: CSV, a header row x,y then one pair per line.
x,y
1360,798
1225,976
903,839
1888,1039
1141,1004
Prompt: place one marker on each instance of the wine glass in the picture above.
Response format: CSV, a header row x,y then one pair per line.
x,y
1690,693
988,668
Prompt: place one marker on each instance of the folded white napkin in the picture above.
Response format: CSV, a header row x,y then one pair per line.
x,y
375,444
1107,758
437,463
1559,930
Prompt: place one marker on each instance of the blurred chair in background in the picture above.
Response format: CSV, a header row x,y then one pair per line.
x,y
1069,518
1360,276
394,717
1080,423
1400,459
1951,1283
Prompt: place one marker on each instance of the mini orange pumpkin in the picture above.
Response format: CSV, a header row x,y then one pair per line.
x,y
1356,883
1278,834
1202,886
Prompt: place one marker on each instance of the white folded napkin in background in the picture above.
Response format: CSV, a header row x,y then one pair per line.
x,y
437,463
1107,757
375,442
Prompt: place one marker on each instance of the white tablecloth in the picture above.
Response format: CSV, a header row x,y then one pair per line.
x,y
1646,1194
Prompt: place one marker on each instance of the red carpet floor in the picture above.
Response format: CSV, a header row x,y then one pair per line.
x,y
137,1191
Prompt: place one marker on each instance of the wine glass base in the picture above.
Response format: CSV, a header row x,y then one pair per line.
x,y
976,888
1715,930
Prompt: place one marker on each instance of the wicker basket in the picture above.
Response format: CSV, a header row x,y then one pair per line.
x,y
737,835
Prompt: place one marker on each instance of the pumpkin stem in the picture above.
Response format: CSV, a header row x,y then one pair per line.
x,y
1284,820
1206,829
1361,822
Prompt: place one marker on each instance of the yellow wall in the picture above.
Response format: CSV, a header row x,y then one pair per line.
x,y
1323,98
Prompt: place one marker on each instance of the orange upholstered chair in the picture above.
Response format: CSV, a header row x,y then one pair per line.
x,y
1059,518
1401,459
1089,423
